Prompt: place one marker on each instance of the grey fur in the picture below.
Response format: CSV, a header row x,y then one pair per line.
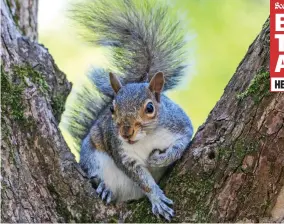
x,y
144,41
143,36
139,178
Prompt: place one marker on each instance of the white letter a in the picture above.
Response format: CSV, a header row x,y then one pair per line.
x,y
280,63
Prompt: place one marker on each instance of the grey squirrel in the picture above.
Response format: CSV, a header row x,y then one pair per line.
x,y
128,131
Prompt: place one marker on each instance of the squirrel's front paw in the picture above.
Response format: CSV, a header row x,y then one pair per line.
x,y
160,205
159,159
104,192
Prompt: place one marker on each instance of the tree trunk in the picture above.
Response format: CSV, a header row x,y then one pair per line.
x,y
24,13
41,182
233,171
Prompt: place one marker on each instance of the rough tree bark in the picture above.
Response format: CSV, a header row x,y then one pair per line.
x,y
41,182
233,171
24,13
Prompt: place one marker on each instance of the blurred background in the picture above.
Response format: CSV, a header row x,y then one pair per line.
x,y
220,33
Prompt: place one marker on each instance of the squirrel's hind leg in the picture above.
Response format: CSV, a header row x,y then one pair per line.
x,y
91,161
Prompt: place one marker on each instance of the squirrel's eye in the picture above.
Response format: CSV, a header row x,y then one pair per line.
x,y
111,109
149,108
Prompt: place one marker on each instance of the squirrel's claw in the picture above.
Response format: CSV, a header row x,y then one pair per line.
x,y
160,207
159,159
100,188
104,192
167,200
109,197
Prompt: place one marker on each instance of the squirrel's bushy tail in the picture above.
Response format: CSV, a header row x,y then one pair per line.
x,y
144,37
86,105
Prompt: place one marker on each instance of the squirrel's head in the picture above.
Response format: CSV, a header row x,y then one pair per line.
x,y
135,107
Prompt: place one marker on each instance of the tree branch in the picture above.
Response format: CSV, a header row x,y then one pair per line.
x,y
41,181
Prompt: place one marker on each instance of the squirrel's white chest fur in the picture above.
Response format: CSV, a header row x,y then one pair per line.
x,y
161,139
120,184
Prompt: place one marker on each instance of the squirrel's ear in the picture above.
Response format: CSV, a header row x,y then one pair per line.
x,y
115,83
156,84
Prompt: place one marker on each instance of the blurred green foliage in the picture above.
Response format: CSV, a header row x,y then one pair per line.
x,y
220,33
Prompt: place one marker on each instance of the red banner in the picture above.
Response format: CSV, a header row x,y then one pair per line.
x,y
277,45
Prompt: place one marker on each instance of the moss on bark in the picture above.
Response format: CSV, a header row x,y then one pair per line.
x,y
258,88
192,190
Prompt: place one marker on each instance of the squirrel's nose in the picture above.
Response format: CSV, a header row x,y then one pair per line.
x,y
126,136
127,132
